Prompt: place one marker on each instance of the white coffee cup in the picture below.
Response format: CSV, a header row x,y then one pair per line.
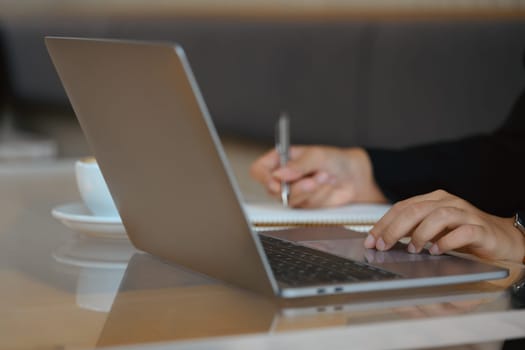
x,y
93,188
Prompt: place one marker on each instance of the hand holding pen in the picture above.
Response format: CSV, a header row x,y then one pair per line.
x,y
282,145
318,176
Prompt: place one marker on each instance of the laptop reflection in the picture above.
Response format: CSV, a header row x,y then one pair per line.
x,y
159,302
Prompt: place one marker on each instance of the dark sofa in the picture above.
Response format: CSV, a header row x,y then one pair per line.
x,y
377,82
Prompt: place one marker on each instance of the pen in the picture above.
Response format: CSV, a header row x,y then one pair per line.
x,y
282,144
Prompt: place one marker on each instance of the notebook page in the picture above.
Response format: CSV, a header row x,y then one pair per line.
x,y
275,214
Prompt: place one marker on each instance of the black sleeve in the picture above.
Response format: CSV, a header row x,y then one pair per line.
x,y
487,170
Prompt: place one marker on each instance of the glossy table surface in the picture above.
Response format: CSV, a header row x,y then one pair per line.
x,y
64,290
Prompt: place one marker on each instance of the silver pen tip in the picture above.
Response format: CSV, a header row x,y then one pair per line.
x,y
284,198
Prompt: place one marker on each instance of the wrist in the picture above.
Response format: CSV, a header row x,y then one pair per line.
x,y
509,241
362,165
519,225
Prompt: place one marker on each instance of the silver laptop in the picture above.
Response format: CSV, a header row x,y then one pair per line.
x,y
148,126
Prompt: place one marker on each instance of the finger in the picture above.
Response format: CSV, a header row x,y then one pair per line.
x,y
465,235
391,214
440,220
339,195
410,216
318,198
379,227
323,193
394,212
301,190
404,223
261,170
401,205
304,162
274,187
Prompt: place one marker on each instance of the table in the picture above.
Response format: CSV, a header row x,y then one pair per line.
x,y
63,290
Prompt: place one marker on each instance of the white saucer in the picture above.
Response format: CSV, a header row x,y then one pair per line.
x,y
95,253
78,218
101,264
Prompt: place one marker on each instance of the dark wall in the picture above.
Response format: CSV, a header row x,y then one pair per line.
x,y
380,83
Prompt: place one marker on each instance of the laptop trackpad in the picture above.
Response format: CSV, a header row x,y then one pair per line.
x,y
352,248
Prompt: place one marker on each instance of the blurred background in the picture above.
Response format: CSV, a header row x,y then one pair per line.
x,y
385,73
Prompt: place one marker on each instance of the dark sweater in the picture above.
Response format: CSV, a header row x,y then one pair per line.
x,y
487,170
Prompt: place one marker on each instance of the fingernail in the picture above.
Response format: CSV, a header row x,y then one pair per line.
x,y
434,250
370,241
380,244
411,248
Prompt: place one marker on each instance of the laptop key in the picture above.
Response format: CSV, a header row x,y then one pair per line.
x,y
299,265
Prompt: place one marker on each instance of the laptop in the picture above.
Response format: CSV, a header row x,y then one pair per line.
x,y
145,119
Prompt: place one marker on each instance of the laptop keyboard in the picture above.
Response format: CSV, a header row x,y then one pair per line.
x,y
299,265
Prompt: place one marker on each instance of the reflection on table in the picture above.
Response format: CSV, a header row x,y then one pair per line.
x,y
159,301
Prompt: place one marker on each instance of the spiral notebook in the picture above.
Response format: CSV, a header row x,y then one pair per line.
x,y
275,214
